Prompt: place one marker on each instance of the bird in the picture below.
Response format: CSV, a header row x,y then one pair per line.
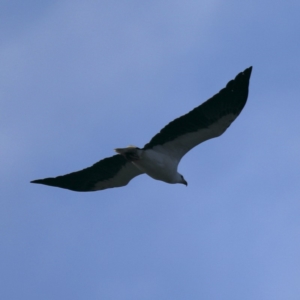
x,y
160,157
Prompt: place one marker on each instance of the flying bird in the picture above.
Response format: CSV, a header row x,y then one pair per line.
x,y
160,157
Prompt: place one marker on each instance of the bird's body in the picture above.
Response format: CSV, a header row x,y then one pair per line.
x,y
154,163
160,157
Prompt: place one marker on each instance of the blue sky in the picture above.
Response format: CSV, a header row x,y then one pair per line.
x,y
80,78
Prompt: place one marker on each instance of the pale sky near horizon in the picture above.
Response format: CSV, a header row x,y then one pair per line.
x,y
80,78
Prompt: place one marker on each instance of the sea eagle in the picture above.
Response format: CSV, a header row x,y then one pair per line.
x,y
160,157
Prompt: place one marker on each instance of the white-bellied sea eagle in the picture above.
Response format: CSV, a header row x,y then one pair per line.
x,y
160,157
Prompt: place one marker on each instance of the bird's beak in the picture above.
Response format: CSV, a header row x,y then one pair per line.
x,y
185,183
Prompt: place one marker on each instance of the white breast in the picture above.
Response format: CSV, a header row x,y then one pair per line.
x,y
158,165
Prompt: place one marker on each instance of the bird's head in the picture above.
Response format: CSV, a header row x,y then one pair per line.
x,y
182,180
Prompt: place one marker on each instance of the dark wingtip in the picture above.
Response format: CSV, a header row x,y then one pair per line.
x,y
56,182
36,181
46,181
64,182
242,80
248,71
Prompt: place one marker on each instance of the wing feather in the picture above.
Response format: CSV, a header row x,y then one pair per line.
x,y
204,122
110,172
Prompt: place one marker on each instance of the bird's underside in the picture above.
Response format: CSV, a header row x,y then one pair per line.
x,y
160,157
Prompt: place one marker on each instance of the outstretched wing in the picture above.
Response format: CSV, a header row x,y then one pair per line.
x,y
110,172
204,122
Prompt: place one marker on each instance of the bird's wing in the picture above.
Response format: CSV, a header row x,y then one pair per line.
x,y
204,122
110,172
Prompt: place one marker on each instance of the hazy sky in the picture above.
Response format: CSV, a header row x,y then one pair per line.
x,y
80,78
